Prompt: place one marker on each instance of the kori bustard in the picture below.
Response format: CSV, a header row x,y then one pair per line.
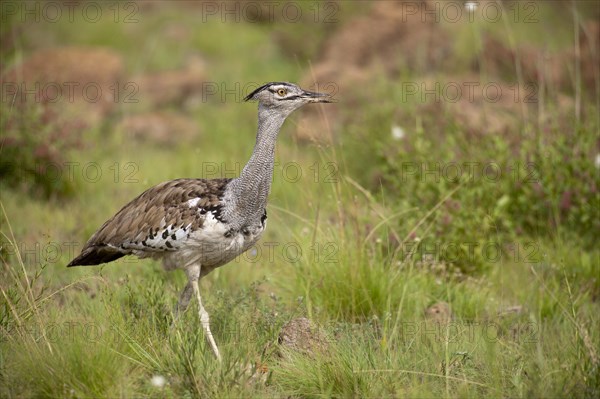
x,y
200,224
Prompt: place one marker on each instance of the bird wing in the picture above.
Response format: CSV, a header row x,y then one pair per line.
x,y
158,220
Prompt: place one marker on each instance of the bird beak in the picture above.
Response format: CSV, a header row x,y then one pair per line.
x,y
315,97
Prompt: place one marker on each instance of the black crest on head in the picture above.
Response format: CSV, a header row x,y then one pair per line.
x,y
263,87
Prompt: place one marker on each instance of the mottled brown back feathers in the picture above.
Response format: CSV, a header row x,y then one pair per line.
x,y
146,219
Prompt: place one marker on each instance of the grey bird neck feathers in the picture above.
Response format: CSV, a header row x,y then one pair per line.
x,y
251,189
246,196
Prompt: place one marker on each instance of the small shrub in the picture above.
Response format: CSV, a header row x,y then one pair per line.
x,y
34,142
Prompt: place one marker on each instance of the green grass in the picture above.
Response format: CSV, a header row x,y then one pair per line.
x,y
363,255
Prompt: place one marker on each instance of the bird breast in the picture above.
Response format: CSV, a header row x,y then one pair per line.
x,y
213,245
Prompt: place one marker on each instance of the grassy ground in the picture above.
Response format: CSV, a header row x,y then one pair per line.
x,y
364,260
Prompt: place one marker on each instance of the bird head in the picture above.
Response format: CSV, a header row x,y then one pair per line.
x,y
285,97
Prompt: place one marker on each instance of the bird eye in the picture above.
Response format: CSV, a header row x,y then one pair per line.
x,y
281,92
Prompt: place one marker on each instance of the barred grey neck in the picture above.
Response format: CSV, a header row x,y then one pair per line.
x,y
248,193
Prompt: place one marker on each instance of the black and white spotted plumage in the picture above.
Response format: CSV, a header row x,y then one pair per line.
x,y
183,215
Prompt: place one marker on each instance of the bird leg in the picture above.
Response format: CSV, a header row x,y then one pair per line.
x,y
193,276
182,304
205,321
184,299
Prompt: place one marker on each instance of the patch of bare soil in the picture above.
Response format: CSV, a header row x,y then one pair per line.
x,y
439,312
163,128
391,38
381,43
78,82
303,336
556,70
178,87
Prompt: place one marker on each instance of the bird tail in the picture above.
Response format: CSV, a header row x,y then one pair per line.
x,y
96,255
